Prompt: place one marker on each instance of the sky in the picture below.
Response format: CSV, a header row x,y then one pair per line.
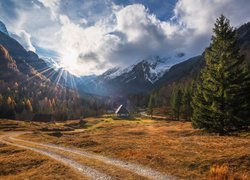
x,y
88,37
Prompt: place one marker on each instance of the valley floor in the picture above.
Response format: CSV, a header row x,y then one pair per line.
x,y
117,149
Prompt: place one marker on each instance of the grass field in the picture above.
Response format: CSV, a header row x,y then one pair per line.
x,y
168,146
13,125
16,163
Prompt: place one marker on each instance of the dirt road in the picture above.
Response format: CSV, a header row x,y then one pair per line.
x,y
63,155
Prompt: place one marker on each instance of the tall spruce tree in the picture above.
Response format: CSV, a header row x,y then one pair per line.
x,y
186,104
222,94
176,102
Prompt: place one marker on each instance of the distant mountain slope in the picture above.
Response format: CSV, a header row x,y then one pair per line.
x,y
23,95
11,73
7,63
29,62
3,28
188,70
16,51
136,78
244,40
8,66
154,73
184,71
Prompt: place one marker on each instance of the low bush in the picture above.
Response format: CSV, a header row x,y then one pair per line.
x,y
222,172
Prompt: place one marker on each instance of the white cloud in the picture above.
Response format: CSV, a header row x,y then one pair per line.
x,y
200,15
197,17
83,21
25,39
53,5
128,34
91,36
131,33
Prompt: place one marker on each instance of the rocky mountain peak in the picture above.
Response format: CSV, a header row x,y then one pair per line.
x,y
3,28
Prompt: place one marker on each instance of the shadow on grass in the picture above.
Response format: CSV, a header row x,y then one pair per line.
x,y
129,118
56,134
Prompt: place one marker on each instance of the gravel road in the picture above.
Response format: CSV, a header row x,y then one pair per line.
x,y
85,170
47,149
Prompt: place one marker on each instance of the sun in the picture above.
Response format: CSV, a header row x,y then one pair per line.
x,y
68,61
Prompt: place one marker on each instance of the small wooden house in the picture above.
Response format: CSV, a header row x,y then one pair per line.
x,y
43,118
122,111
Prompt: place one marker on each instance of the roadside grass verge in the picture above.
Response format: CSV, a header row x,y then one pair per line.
x,y
17,163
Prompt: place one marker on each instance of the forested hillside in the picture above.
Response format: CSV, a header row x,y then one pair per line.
x,y
23,95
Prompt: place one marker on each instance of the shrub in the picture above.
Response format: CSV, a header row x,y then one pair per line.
x,y
222,172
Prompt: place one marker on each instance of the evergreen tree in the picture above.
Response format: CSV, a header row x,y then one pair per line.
x,y
176,103
7,108
221,97
150,106
19,107
186,104
1,100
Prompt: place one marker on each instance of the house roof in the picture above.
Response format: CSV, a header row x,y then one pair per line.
x,y
121,110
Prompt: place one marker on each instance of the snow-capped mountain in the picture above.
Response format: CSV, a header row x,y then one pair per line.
x,y
3,28
139,77
152,68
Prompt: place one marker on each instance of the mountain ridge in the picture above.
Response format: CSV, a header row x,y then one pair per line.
x,y
188,70
3,28
136,78
29,62
142,77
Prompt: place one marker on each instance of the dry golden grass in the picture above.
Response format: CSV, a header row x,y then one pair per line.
x,y
113,171
222,172
16,163
14,125
171,147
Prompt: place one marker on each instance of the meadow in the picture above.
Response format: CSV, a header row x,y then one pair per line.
x,y
172,147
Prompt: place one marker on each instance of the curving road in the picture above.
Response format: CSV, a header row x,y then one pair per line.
x,y
90,172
